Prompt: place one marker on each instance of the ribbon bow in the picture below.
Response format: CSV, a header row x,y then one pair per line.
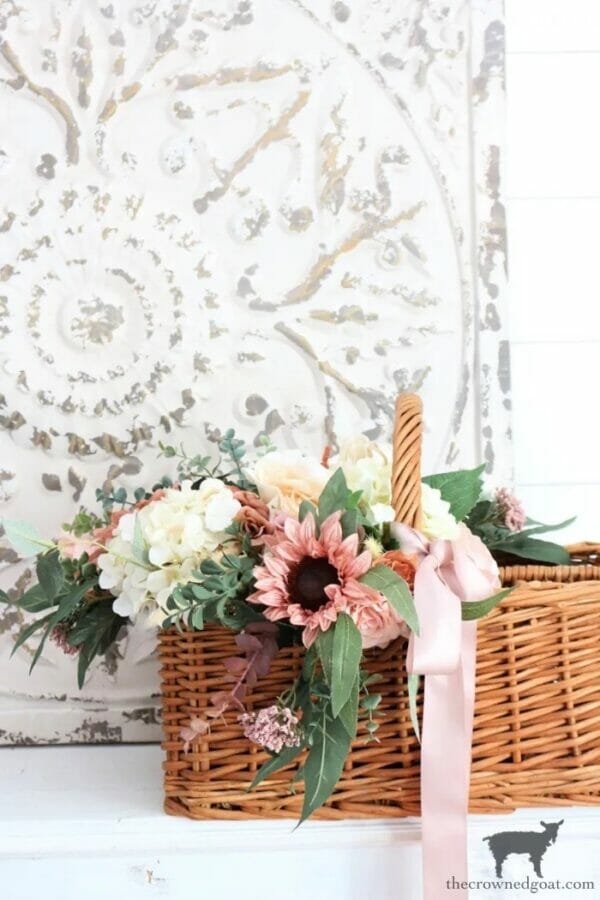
x,y
448,573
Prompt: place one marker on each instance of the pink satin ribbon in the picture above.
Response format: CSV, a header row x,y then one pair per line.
x,y
444,652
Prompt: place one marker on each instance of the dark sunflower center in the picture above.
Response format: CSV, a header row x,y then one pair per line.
x,y
308,582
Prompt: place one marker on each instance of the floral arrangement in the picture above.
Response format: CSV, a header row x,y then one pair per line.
x,y
282,549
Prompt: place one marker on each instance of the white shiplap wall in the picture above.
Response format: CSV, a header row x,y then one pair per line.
x,y
553,195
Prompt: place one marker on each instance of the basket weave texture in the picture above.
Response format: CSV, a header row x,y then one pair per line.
x,y
536,738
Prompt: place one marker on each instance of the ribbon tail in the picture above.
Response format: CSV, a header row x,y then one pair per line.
x,y
445,775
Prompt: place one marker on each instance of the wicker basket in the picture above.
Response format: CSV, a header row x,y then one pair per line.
x,y
536,735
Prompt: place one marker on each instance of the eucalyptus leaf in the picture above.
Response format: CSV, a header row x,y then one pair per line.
x,y
396,591
371,702
347,652
348,714
325,761
460,489
197,618
476,609
24,537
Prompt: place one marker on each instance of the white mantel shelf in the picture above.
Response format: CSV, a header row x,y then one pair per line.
x,y
86,823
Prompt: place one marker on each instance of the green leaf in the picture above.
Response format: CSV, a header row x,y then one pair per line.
x,y
324,648
477,609
30,629
349,522
334,496
210,567
94,633
287,756
83,663
35,600
540,551
413,690
50,574
349,712
460,489
325,761
309,663
4,598
139,551
347,652
69,602
25,538
396,591
543,529
40,646
371,702
197,618
480,513
305,508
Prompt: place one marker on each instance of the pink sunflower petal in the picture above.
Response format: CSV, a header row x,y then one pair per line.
x,y
308,530
291,529
359,566
331,531
276,566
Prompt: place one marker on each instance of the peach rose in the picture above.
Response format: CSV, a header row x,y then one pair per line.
x,y
254,516
378,622
401,564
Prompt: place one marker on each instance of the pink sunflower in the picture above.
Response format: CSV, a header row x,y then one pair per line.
x,y
310,580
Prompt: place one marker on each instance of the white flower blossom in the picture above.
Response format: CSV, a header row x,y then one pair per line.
x,y
437,520
367,467
177,532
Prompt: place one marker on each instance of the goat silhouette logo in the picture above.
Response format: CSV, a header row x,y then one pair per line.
x,y
532,843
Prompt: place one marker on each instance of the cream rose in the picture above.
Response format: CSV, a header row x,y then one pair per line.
x,y
285,478
437,520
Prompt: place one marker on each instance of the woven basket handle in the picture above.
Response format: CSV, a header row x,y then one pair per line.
x,y
406,460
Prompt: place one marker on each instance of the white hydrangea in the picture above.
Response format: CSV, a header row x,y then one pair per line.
x,y
176,532
437,520
367,467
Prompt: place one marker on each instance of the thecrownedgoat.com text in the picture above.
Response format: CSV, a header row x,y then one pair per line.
x,y
533,885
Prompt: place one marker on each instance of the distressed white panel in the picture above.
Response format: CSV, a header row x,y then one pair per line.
x,y
553,128
567,25
555,429
553,252
269,214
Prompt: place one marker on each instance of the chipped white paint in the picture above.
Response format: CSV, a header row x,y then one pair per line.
x,y
273,215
